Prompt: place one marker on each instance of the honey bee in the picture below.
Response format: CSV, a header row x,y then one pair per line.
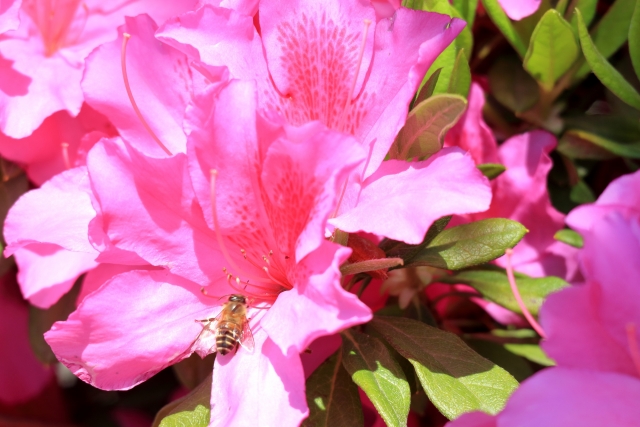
x,y
230,327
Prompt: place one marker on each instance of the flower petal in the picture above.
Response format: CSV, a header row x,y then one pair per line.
x,y
407,197
161,91
265,387
131,328
518,9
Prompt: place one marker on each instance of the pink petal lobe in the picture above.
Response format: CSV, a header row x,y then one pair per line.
x,y
414,39
47,271
219,37
560,397
131,328
408,197
265,387
156,195
27,221
518,9
317,305
22,376
100,275
474,419
621,195
161,91
9,16
471,133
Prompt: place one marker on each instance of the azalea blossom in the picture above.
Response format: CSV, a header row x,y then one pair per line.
x,y
330,62
253,226
592,334
46,55
519,9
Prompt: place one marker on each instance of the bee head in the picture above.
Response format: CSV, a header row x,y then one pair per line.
x,y
237,298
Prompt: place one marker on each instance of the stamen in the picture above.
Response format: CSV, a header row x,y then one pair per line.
x,y
284,285
123,56
347,103
65,155
514,288
633,345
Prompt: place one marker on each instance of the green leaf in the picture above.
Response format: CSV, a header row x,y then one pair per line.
x,y
470,244
444,62
492,170
467,9
532,352
498,354
552,50
502,21
512,86
569,237
460,81
581,193
426,125
191,410
611,32
376,372
41,320
609,76
588,9
579,144
493,284
332,397
456,379
634,39
393,248
561,7
427,89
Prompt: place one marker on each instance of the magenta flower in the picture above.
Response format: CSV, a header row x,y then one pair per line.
x,y
520,193
22,376
592,333
46,54
357,74
273,190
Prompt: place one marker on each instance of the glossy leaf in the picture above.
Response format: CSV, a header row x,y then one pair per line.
x,y
492,283
425,128
502,21
460,81
634,39
492,170
456,379
332,397
444,62
532,352
588,9
376,372
498,354
470,244
611,31
581,193
512,86
609,76
569,237
552,49
579,144
429,86
467,9
191,410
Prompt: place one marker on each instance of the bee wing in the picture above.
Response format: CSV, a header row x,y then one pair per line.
x,y
205,343
246,339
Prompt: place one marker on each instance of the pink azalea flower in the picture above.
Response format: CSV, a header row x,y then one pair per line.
x,y
519,9
331,62
274,189
49,48
520,193
593,335
57,144
22,376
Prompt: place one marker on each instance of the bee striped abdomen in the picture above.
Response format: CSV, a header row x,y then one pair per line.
x,y
227,337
